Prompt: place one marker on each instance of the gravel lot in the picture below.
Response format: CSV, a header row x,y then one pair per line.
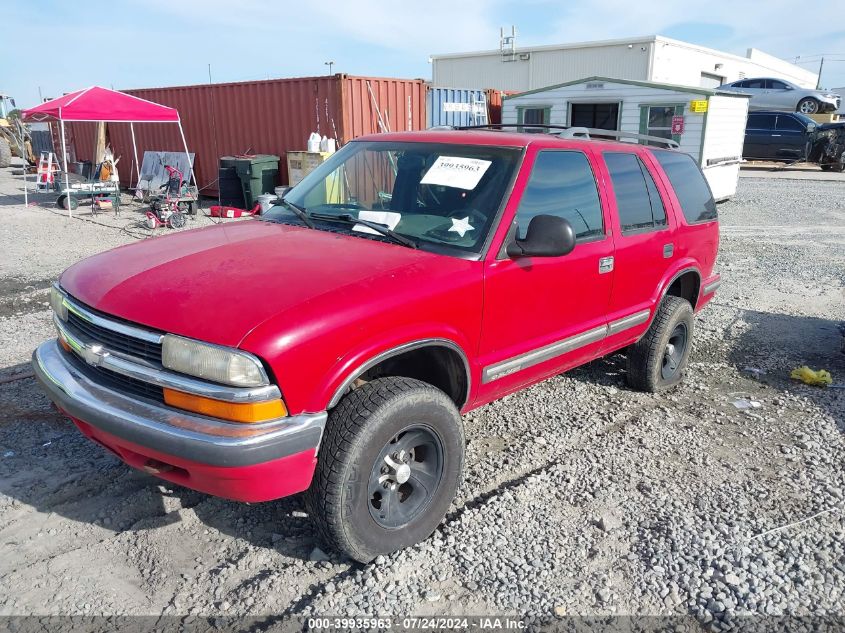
x,y
581,497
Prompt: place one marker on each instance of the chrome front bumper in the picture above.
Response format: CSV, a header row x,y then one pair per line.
x,y
192,437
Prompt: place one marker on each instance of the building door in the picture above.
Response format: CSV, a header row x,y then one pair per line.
x,y
604,116
709,80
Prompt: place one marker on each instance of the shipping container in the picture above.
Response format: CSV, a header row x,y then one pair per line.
x,y
456,107
262,117
463,106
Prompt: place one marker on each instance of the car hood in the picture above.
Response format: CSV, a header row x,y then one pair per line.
x,y
218,283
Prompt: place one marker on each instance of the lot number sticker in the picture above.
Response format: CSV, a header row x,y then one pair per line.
x,y
457,172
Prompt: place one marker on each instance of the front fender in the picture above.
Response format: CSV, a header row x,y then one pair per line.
x,y
381,347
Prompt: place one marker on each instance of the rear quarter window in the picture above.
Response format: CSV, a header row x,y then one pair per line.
x,y
690,187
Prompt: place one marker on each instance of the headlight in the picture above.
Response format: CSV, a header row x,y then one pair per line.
x,y
57,302
211,362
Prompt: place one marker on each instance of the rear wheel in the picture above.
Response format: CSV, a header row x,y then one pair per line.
x,y
658,360
808,105
389,466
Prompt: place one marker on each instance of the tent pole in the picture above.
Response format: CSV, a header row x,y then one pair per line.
x,y
187,155
23,151
135,151
64,166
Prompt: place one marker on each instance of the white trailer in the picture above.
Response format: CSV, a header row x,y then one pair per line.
x,y
707,124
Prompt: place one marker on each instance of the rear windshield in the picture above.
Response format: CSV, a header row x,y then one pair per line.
x,y
689,184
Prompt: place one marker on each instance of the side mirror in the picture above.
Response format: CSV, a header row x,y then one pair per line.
x,y
547,236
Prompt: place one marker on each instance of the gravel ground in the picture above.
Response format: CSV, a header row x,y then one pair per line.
x,y
581,497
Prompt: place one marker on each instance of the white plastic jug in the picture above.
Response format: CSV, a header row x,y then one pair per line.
x,y
324,144
314,142
331,146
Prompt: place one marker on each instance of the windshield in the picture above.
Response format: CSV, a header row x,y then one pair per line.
x,y
441,196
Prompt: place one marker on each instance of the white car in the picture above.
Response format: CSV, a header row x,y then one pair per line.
x,y
779,94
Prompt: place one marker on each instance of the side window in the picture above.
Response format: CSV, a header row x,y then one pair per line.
x,y
755,84
689,184
774,84
562,183
637,199
740,84
761,122
786,122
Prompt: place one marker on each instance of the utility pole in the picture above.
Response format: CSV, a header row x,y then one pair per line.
x,y
329,64
819,80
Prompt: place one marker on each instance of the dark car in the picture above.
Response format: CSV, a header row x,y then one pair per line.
x,y
791,136
780,136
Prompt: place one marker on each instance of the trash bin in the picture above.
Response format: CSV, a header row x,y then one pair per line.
x,y
259,174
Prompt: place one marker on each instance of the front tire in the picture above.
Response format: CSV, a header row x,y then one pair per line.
x,y
808,105
389,467
658,360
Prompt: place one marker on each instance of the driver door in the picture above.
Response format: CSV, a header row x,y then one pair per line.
x,y
543,315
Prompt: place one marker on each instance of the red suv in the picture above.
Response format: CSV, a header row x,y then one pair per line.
x,y
331,346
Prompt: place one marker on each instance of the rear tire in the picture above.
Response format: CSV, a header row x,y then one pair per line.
x,y
371,494
808,105
658,360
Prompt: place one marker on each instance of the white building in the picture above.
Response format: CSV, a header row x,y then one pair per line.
x,y
652,58
707,124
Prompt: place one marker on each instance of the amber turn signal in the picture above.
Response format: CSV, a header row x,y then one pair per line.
x,y
234,412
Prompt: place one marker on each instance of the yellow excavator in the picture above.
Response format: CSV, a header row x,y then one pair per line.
x,y
14,137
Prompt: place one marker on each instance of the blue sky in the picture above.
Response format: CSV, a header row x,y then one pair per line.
x,y
141,43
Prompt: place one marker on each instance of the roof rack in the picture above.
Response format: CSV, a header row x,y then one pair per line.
x,y
499,126
588,132
568,132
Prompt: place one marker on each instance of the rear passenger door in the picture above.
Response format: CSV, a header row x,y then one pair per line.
x,y
644,240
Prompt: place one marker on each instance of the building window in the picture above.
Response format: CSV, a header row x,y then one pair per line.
x,y
656,120
604,116
535,115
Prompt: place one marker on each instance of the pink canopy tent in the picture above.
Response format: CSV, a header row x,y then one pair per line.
x,y
97,104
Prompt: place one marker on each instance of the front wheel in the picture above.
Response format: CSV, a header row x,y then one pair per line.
x,y
808,106
658,360
389,466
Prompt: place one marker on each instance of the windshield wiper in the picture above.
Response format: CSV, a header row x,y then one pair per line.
x,y
300,212
382,229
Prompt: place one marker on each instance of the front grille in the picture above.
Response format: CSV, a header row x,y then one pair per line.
x,y
115,341
120,383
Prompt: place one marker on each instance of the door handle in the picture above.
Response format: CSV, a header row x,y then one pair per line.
x,y
605,265
774,135
668,250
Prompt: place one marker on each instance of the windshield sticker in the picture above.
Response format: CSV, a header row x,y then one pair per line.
x,y
388,218
460,226
457,172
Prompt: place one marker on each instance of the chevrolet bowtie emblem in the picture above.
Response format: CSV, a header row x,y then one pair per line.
x,y
94,355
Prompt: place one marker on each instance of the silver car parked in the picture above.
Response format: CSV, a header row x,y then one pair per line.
x,y
779,94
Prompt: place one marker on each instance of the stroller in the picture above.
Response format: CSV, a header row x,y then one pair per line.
x,y
166,208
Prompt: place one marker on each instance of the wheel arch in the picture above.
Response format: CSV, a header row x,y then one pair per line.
x,y
686,284
442,361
